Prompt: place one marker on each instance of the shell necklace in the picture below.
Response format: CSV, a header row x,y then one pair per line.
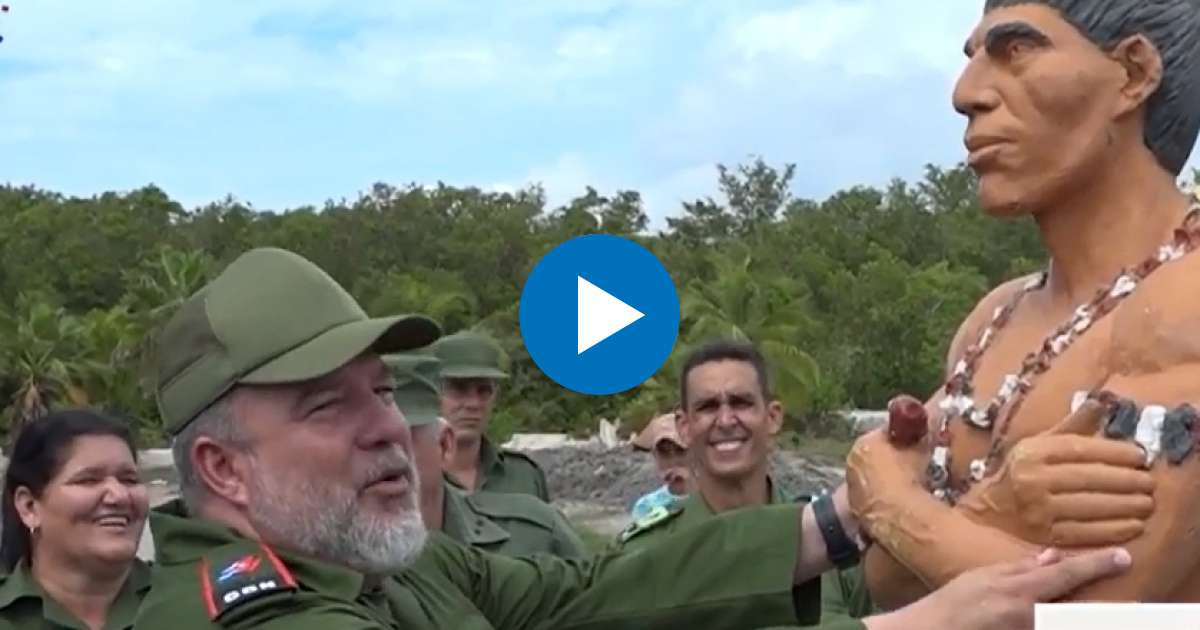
x,y
995,414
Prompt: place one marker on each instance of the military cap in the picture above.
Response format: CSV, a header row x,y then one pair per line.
x,y
271,317
418,386
469,354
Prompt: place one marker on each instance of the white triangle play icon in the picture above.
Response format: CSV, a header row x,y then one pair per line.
x,y
600,315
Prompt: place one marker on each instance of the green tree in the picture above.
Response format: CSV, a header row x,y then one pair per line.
x,y
39,360
743,304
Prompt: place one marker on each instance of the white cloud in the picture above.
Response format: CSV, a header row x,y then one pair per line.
x,y
859,37
188,51
564,179
258,99
808,32
851,91
587,45
665,196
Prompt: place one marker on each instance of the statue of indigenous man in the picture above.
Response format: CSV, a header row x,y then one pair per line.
x,y
1067,413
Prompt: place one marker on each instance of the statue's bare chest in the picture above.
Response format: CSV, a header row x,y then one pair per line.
x,y
1082,367
1152,331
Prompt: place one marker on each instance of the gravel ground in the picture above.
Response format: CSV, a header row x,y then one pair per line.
x,y
617,477
596,487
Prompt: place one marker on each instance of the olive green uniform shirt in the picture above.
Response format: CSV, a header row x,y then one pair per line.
x,y
24,606
844,595
843,592
664,522
207,576
502,470
509,524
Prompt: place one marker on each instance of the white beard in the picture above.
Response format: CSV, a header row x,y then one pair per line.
x,y
323,519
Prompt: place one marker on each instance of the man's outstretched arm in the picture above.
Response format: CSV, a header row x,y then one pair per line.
x,y
736,570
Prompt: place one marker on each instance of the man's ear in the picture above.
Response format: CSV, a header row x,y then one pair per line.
x,y
774,418
1143,67
447,439
222,469
683,426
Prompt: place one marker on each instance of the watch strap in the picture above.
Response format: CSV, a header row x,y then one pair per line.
x,y
843,552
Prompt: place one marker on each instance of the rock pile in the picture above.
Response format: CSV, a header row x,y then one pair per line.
x,y
590,473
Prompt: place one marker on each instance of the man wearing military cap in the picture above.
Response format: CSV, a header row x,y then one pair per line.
x,y
511,524
472,366
300,508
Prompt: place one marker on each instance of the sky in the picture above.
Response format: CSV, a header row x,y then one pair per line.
x,y
283,103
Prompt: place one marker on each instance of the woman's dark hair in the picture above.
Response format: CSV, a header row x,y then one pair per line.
x,y
37,457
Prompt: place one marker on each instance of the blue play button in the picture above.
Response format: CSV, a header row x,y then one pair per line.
x,y
599,314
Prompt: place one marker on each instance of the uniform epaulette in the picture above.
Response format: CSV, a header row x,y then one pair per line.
x,y
236,575
520,455
657,516
503,505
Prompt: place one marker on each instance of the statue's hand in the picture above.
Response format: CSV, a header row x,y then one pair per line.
x,y
878,472
1069,487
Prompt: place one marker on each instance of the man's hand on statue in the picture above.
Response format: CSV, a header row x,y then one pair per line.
x,y
1002,597
1070,487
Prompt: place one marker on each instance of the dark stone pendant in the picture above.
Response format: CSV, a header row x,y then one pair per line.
x,y
937,475
1122,420
1177,441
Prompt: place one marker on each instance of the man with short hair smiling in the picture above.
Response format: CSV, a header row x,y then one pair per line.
x,y
300,506
730,417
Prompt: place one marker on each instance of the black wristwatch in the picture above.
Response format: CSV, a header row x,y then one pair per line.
x,y
843,552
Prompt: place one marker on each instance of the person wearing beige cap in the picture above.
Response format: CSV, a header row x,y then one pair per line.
x,y
300,507
661,438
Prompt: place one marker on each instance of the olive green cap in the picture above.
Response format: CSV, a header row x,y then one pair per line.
x,y
418,387
469,354
271,317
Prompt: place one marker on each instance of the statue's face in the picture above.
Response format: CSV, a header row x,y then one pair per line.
x,y
1040,101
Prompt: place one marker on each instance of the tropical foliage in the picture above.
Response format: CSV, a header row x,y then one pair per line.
x,y
853,298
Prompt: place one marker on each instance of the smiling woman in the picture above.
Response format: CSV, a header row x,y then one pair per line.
x,y
73,511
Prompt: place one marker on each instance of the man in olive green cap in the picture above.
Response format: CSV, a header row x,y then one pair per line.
x,y
472,366
300,508
511,524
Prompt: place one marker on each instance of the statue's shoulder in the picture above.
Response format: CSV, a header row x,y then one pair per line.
x,y
984,312
1003,294
1155,327
1172,284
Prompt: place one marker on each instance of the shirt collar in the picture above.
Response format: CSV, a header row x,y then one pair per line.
x,y
20,584
490,458
695,500
463,523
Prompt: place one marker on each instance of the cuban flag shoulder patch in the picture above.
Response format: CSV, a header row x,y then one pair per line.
x,y
236,576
